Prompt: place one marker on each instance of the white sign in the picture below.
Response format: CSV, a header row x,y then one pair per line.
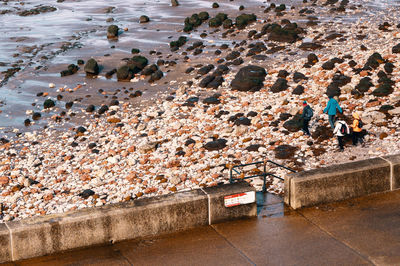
x,y
240,199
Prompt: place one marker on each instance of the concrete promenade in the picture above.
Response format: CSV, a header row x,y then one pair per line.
x,y
363,231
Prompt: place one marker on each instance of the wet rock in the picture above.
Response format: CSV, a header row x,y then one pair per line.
x,y
309,46
215,5
91,67
144,19
90,108
48,104
81,130
124,73
243,20
249,78
112,31
204,16
174,3
103,109
206,80
227,24
114,103
279,85
204,70
216,82
178,43
156,76
36,116
135,51
289,33
37,10
285,152
295,124
233,55
137,63
68,105
72,69
217,20
215,145
148,70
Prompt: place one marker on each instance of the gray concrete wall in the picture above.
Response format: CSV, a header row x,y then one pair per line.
x,y
140,218
339,182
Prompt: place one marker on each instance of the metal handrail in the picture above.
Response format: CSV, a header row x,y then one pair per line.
x,y
264,174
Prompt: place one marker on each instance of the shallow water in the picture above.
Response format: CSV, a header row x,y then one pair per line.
x,y
43,45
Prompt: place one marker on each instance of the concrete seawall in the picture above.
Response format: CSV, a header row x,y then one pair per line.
x,y
137,219
343,181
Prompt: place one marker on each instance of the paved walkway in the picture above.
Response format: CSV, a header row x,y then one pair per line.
x,y
363,231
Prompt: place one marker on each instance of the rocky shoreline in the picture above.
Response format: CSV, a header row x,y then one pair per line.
x,y
231,103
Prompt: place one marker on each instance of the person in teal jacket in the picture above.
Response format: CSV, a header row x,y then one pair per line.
x,y
331,108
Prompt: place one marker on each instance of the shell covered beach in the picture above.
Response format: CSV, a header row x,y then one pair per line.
x,y
216,92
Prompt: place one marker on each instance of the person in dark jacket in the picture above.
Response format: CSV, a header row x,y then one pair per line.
x,y
331,108
306,115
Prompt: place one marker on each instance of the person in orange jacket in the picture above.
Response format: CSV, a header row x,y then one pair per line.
x,y
356,129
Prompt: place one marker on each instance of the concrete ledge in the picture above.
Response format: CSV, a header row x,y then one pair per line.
x,y
219,213
394,161
137,219
337,182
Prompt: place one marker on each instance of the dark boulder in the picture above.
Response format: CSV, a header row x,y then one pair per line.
x,y
144,19
91,67
364,85
242,121
285,152
124,73
295,124
48,104
206,80
174,3
148,70
90,108
297,77
279,85
156,76
243,20
253,147
86,193
112,31
383,90
211,100
215,145
249,78
396,49
298,90
233,55
328,65
204,70
36,116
